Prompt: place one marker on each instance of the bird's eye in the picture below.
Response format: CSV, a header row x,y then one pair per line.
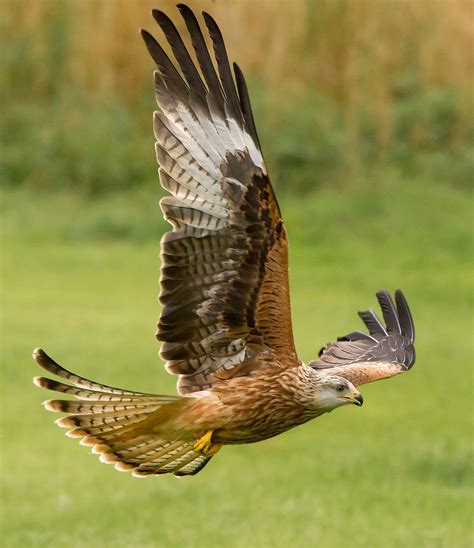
x,y
340,388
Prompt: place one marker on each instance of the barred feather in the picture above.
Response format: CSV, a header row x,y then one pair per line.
x,y
100,421
92,408
84,394
51,366
116,423
224,282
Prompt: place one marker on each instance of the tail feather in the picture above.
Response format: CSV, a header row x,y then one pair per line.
x,y
95,395
140,445
93,421
192,467
98,435
107,429
59,407
169,459
96,407
46,362
151,454
116,424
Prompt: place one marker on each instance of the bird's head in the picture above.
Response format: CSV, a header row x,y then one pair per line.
x,y
333,391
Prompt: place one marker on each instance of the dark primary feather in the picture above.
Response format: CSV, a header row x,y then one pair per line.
x,y
223,67
180,52
204,59
391,344
170,75
404,315
389,312
371,320
245,103
202,53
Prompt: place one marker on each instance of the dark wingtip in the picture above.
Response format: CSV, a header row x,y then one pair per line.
x,y
405,316
40,357
211,24
410,357
60,406
40,382
159,16
389,312
394,343
49,384
147,37
185,10
46,362
372,322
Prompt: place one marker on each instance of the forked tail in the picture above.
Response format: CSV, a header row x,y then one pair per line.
x,y
122,426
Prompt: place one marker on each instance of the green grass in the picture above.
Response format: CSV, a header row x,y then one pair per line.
x,y
80,279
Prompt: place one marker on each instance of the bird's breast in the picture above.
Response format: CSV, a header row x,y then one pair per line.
x,y
252,416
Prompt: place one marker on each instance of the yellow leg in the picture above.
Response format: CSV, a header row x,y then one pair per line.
x,y
205,446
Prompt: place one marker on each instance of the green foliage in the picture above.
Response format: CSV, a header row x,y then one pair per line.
x,y
431,136
336,102
86,147
107,147
307,144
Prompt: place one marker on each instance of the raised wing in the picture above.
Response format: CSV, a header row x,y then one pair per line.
x,y
384,352
224,278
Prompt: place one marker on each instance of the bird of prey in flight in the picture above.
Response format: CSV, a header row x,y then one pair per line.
x,y
225,324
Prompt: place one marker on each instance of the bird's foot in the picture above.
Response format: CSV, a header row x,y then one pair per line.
x,y
205,446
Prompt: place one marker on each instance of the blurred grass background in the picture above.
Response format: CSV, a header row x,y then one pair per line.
x,y
364,111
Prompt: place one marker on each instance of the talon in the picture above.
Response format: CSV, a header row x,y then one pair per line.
x,y
205,446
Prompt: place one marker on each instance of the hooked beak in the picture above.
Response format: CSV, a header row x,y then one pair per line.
x,y
356,398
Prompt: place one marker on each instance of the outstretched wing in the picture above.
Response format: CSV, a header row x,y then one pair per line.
x,y
224,277
383,352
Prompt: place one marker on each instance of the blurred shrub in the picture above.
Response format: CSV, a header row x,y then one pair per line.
x,y
90,147
342,89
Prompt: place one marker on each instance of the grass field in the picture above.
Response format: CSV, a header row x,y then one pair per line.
x,y
364,101
80,279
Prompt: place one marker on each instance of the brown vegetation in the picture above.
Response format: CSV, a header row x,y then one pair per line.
x,y
358,75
